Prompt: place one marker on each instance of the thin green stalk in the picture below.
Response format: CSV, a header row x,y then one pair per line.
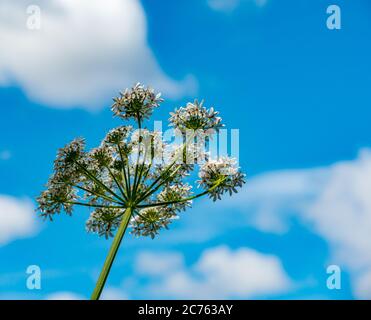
x,y
149,190
94,205
144,177
96,180
97,194
182,200
111,255
138,156
141,171
124,171
117,183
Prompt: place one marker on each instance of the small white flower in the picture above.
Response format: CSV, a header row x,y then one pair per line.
x,y
221,176
136,102
118,135
149,221
176,193
195,117
104,221
68,156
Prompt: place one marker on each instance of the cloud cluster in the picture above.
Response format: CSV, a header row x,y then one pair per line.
x,y
83,53
17,219
333,201
231,5
219,273
64,295
342,214
149,263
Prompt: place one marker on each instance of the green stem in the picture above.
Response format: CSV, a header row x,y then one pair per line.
x,y
149,190
117,183
96,193
138,156
96,180
111,255
124,171
182,200
94,205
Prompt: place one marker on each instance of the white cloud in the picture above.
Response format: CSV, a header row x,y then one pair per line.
x,y
83,54
17,219
223,273
158,263
64,295
111,293
5,155
342,211
334,202
362,286
342,215
231,5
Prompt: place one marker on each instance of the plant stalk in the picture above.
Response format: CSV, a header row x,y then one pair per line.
x,y
111,255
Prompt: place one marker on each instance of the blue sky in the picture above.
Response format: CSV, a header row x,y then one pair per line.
x,y
298,92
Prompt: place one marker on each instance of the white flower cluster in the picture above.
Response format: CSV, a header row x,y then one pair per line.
x,y
104,221
60,192
149,221
195,117
175,195
219,176
137,102
124,172
118,135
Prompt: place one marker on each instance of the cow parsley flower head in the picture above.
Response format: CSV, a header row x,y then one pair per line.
x,y
56,198
137,102
104,221
65,163
101,157
136,179
174,194
118,135
194,116
149,221
220,176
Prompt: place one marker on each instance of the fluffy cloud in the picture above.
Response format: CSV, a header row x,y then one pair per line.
x,y
231,5
158,263
112,293
362,286
342,214
342,211
222,273
64,295
333,201
17,219
84,52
